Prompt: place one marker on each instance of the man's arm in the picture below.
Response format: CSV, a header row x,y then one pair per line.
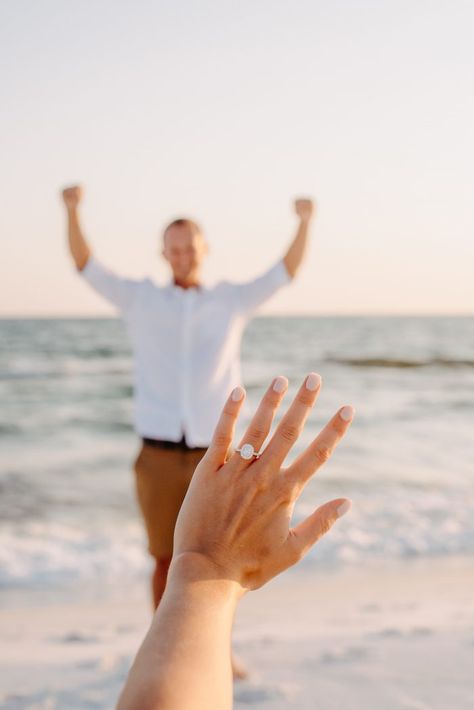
x,y
184,661
78,245
118,290
295,254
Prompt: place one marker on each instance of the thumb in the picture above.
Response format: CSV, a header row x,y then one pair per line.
x,y
309,531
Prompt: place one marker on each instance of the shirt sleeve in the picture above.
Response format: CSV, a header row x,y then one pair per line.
x,y
117,290
252,294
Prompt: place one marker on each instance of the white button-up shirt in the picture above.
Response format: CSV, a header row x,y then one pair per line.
x,y
186,346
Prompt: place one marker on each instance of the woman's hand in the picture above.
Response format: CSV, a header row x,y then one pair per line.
x,y
233,534
234,524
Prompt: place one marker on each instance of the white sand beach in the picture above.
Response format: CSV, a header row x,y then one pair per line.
x,y
391,636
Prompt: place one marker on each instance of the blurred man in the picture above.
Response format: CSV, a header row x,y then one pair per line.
x,y
186,342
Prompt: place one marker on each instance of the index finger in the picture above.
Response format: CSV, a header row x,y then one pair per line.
x,y
224,431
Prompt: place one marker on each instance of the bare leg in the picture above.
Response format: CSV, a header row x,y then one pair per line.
x,y
239,671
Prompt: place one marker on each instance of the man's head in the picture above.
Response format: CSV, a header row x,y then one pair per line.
x,y
184,248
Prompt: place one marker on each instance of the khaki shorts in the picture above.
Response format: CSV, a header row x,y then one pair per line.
x,y
162,479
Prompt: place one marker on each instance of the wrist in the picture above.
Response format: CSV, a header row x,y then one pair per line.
x,y
192,570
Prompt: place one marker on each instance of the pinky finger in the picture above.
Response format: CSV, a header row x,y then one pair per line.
x,y
308,532
224,431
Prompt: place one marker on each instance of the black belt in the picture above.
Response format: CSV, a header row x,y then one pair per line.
x,y
177,445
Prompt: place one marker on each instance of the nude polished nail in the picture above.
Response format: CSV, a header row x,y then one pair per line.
x,y
347,413
238,394
313,381
343,508
280,384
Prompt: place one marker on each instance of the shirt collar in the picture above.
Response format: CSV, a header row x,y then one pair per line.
x,y
177,289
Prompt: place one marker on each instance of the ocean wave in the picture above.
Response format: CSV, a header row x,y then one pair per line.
x,y
30,375
66,372
402,525
402,363
49,553
421,524
9,428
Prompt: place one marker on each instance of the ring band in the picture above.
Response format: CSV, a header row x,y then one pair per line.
x,y
247,452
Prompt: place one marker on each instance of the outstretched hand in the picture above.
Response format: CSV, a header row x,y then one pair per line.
x,y
233,534
235,521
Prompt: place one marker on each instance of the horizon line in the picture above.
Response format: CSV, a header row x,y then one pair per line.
x,y
295,314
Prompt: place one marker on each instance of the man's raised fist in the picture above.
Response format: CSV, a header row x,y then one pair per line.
x,y
304,208
72,196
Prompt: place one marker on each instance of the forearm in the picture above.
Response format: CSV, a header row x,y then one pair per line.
x,y
295,254
78,245
184,661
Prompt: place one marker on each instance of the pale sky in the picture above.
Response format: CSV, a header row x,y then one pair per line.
x,y
224,111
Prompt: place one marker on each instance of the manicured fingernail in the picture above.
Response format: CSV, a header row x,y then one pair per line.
x,y
347,413
238,394
343,508
313,381
280,384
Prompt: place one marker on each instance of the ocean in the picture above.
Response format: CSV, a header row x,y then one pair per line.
x,y
67,504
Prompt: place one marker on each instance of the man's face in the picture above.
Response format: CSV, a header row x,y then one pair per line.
x,y
184,250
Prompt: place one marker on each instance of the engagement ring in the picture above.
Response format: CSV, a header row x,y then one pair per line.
x,y
247,452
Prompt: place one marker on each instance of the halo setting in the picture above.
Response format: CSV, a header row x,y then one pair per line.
x,y
247,452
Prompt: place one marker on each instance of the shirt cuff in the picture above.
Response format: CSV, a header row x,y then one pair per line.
x,y
280,273
91,269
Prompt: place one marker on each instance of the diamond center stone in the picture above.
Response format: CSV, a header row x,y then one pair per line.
x,y
247,451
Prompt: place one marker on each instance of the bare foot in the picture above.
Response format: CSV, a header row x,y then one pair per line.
x,y
239,671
